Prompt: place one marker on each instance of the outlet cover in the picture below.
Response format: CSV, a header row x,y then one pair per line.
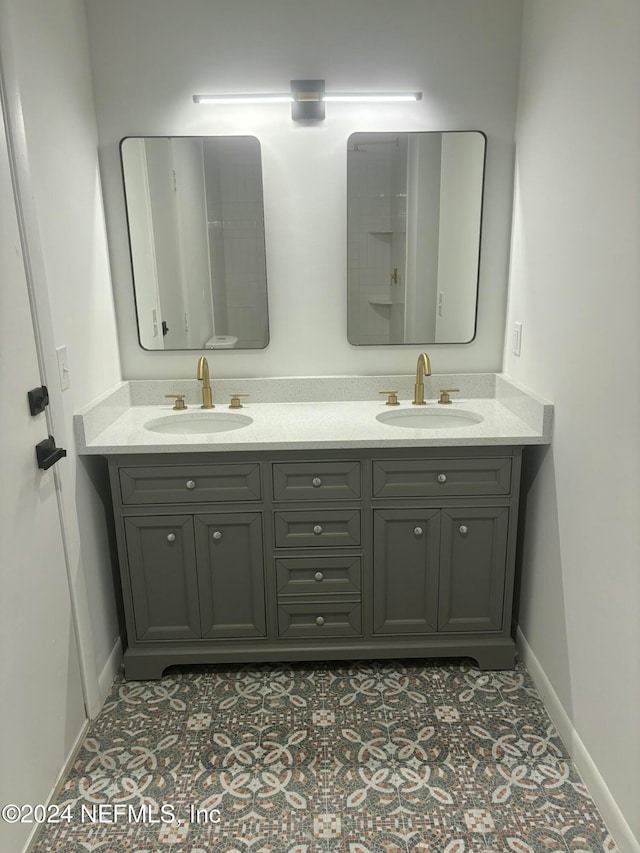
x,y
517,338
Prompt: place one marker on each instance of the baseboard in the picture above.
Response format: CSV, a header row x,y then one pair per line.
x,y
586,767
62,775
105,681
109,672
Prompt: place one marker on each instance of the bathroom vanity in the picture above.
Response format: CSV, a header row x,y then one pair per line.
x,y
304,556
397,546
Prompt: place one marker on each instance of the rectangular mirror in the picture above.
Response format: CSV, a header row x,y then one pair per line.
x,y
413,233
196,233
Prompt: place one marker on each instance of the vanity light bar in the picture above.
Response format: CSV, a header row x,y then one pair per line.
x,y
373,97
243,99
308,97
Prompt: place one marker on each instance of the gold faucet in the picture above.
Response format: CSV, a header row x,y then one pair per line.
x,y
423,369
203,373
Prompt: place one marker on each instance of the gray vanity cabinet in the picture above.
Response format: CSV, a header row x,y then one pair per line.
x,y
439,570
406,547
164,586
229,559
441,565
473,556
317,555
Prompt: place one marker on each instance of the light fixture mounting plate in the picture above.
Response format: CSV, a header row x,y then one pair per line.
x,y
308,100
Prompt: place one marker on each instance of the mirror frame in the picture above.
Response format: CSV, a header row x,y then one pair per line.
x,y
481,209
130,246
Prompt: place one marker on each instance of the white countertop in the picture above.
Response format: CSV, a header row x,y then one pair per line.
x,y
310,426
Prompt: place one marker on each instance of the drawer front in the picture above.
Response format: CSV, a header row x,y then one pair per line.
x,y
322,528
311,576
427,478
190,484
316,481
332,619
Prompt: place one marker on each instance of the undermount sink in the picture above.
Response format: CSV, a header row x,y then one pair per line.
x,y
200,423
419,418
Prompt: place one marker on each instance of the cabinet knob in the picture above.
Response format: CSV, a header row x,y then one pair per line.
x,y
417,531
171,537
442,478
320,620
316,482
317,529
217,535
463,529
319,576
190,484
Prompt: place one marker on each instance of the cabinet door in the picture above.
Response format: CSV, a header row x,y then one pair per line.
x,y
406,544
230,574
162,570
472,568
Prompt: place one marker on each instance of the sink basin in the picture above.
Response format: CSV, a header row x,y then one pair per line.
x,y
424,418
201,423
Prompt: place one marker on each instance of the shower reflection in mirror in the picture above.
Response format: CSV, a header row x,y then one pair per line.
x,y
414,221
196,231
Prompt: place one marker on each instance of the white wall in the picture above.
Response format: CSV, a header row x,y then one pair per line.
x,y
150,56
50,76
575,287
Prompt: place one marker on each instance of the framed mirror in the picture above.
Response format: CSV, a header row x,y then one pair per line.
x,y
196,233
413,233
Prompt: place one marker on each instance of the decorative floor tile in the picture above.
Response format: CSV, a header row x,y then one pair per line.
x,y
327,825
354,757
479,820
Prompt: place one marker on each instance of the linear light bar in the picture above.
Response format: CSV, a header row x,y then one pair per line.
x,y
308,97
373,97
243,99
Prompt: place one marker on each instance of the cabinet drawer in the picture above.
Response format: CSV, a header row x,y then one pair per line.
x,y
322,528
316,481
420,478
190,484
308,619
313,576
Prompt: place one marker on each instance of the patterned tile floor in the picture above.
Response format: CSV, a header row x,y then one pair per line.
x,y
367,757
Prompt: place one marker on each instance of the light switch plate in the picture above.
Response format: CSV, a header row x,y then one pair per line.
x,y
63,367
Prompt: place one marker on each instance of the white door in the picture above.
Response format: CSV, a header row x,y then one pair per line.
x,y
41,705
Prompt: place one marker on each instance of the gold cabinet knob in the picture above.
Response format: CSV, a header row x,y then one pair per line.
x,y
179,398
444,395
235,401
393,398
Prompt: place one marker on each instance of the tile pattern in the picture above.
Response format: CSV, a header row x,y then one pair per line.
x,y
365,757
